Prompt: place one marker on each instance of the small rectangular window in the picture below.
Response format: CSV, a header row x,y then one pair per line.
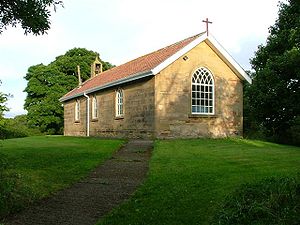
x,y
119,103
77,110
94,108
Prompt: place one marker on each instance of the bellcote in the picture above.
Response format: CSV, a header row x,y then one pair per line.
x,y
96,67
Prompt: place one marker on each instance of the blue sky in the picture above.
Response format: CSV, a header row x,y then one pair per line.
x,y
123,30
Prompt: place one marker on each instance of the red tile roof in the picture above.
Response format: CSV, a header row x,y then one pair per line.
x,y
137,66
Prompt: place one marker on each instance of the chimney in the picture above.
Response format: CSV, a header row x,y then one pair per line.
x,y
79,76
96,67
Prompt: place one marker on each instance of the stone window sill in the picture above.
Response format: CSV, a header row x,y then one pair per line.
x,y
202,116
95,120
77,121
119,117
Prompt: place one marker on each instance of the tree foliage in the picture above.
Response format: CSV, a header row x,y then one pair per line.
x,y
3,100
17,127
47,83
272,101
33,15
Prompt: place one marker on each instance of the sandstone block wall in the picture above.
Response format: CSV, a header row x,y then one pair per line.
x,y
160,106
173,117
72,127
138,119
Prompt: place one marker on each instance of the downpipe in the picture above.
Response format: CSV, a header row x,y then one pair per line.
x,y
87,115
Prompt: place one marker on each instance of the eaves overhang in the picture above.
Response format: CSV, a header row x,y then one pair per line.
x,y
209,40
227,58
108,85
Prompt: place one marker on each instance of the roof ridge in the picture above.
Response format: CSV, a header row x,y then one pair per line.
x,y
142,64
168,46
178,42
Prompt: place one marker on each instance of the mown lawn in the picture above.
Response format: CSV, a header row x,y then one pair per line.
x,y
189,179
46,164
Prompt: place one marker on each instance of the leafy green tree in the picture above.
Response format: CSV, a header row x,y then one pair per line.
x,y
68,62
3,108
44,88
47,83
3,100
17,127
272,101
33,15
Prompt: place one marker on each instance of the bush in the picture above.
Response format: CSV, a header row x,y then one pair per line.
x,y
13,193
272,201
16,128
292,136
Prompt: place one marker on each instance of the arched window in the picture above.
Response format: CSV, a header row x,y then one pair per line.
x,y
77,110
94,107
119,103
202,92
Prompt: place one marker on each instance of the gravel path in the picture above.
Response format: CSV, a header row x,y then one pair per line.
x,y
87,201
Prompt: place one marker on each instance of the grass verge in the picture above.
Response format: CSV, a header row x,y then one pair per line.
x,y
189,179
272,200
34,167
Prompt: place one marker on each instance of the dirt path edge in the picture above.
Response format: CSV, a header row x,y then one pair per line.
x,y
85,202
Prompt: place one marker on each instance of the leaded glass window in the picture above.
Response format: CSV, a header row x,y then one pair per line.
x,y
202,92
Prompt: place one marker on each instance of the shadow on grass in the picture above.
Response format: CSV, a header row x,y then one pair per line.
x,y
269,201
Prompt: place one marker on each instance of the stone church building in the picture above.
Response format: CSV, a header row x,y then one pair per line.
x,y
190,89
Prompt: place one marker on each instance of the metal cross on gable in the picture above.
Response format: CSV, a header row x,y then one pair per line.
x,y
207,22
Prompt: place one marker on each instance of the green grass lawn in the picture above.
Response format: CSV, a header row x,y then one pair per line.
x,y
49,163
189,179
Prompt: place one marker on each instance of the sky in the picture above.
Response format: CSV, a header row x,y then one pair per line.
x,y
124,30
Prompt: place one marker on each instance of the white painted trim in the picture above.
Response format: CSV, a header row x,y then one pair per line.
x,y
119,95
94,107
227,58
77,110
111,84
121,81
62,99
178,54
216,46
213,92
210,40
87,115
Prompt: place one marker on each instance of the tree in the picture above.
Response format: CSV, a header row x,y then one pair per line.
x,y
47,83
3,100
43,91
3,108
33,15
272,101
17,127
68,62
